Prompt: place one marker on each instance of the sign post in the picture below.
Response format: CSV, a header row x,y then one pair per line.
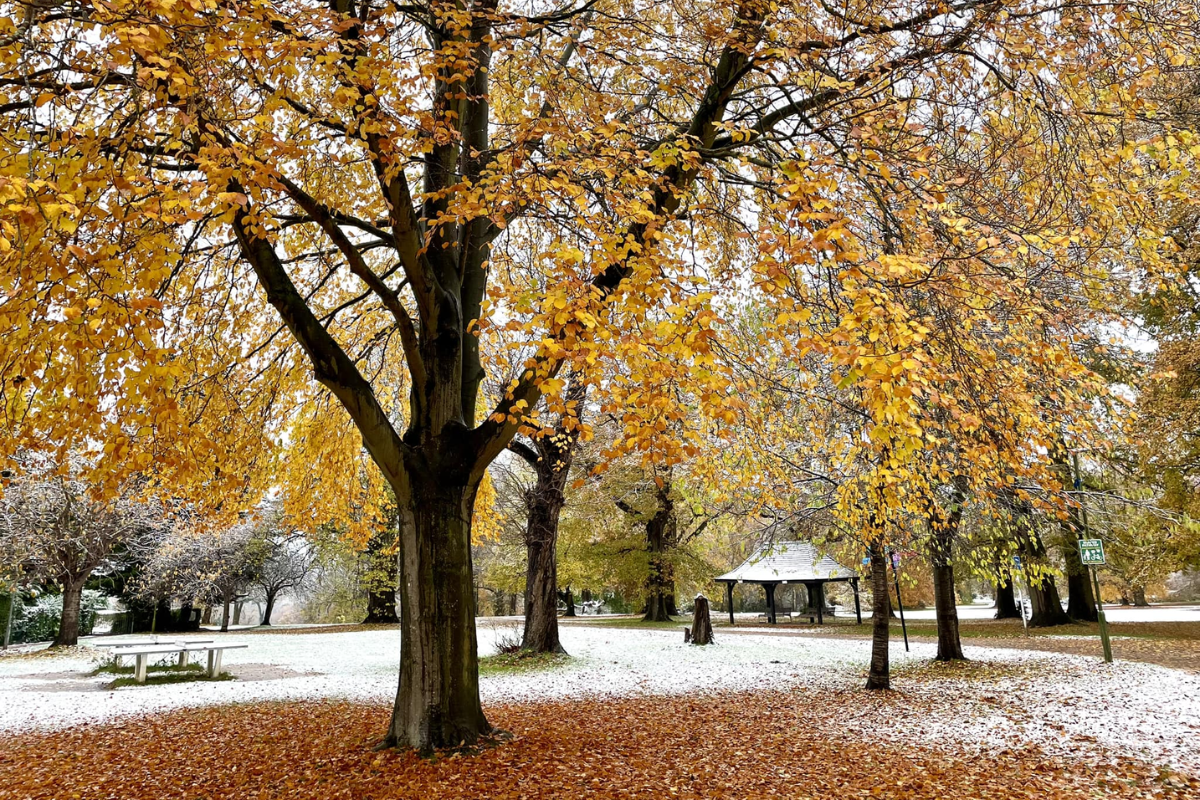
x,y
1091,553
899,602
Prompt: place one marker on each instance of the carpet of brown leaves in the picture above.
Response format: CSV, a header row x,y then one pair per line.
x,y
762,745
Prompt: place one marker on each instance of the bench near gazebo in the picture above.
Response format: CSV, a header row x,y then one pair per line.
x,y
789,563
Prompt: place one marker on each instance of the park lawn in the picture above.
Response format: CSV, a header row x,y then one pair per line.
x,y
790,744
521,661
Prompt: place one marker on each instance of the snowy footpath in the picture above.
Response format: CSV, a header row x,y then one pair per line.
x,y
1060,703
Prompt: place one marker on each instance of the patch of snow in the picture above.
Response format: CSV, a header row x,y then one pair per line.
x,y
1051,700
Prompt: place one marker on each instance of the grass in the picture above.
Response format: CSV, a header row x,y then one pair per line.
x,y
164,678
521,661
678,623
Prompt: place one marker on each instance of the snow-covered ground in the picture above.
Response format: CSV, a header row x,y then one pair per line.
x,y
1111,613
1052,700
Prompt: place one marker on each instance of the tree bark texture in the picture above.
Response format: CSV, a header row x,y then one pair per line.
x,y
1006,599
550,457
1139,596
225,602
660,583
68,622
702,632
1081,600
270,606
381,607
437,702
1045,605
944,530
878,677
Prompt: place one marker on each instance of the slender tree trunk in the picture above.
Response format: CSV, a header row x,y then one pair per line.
x,y
942,547
568,598
206,617
266,619
660,583
878,677
1006,600
226,599
541,582
68,622
544,504
437,703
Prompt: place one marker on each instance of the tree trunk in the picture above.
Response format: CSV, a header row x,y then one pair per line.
x,y
1006,599
225,601
266,618
544,504
381,586
1045,605
568,599
945,528
68,622
949,643
437,703
1139,596
878,677
381,608
186,612
206,617
702,632
660,583
1081,600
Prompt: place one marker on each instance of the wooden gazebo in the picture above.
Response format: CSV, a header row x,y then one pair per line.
x,y
782,563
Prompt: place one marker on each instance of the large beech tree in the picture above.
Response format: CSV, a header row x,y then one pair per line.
x,y
377,171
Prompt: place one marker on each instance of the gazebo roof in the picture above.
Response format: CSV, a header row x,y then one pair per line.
x,y
776,562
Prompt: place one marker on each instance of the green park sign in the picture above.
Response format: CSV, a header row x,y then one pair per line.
x,y
1091,552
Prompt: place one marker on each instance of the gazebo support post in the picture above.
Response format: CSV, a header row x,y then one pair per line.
x,y
821,603
770,590
857,607
729,600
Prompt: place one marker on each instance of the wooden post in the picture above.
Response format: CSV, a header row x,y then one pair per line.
x,y
770,590
729,600
857,606
139,669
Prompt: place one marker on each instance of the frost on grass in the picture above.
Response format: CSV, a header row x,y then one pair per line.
x,y
1006,699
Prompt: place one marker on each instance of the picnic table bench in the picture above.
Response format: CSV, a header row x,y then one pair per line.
x,y
142,655
183,656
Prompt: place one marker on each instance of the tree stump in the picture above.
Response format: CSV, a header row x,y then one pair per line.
x,y
702,632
